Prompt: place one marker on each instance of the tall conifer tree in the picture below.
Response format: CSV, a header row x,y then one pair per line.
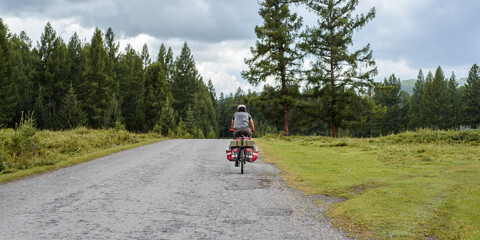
x,y
23,72
415,114
453,114
8,91
111,47
53,72
336,70
76,58
388,94
132,88
165,57
98,81
167,118
70,114
185,81
155,95
436,101
113,112
274,54
471,98
145,55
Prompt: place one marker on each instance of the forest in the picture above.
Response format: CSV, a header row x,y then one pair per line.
x,y
64,85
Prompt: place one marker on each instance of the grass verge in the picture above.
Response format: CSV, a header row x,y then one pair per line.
x,y
408,186
46,151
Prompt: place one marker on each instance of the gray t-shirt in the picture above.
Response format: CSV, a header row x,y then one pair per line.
x,y
241,120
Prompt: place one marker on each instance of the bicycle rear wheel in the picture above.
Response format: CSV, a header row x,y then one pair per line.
x,y
242,159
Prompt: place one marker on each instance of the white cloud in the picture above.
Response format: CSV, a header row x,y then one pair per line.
x,y
34,27
404,70
222,63
400,68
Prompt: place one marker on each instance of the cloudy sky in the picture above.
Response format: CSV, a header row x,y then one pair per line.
x,y
405,36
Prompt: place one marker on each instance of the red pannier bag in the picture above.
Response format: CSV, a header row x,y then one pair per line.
x,y
232,154
252,155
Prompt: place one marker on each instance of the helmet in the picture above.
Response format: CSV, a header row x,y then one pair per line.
x,y
241,107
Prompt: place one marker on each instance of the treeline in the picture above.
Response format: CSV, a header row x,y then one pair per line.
x,y
436,103
94,84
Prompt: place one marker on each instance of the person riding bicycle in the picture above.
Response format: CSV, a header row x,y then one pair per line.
x,y
241,121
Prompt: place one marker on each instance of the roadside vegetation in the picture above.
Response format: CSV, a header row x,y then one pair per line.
x,y
26,151
414,185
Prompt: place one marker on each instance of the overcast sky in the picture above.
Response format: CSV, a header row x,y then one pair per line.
x,y
406,35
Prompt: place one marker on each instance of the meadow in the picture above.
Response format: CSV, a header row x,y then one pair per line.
x,y
414,185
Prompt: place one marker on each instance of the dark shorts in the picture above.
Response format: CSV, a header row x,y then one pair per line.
x,y
238,132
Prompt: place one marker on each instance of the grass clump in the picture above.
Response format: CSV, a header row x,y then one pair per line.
x,y
408,186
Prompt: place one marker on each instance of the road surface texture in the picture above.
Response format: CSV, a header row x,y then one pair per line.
x,y
174,189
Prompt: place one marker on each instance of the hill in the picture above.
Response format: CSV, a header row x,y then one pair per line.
x,y
407,85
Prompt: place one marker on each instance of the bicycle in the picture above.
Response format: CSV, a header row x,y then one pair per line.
x,y
242,150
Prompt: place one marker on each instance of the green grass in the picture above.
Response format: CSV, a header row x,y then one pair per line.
x,y
23,155
407,186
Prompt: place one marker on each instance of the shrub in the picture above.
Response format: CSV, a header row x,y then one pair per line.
x,y
435,136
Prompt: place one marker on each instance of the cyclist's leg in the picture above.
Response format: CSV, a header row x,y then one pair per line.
x,y
237,133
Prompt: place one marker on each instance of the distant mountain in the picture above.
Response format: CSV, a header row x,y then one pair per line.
x,y
407,85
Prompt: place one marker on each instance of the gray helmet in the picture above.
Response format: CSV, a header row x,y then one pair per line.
x,y
240,107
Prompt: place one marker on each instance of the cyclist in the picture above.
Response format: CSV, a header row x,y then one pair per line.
x,y
241,121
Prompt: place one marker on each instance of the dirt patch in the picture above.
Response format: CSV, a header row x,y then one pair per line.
x,y
325,199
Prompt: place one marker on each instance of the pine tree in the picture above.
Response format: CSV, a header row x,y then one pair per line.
x,y
181,130
97,75
155,94
211,133
53,71
145,56
113,113
388,94
40,109
335,69
185,81
274,54
269,104
70,114
76,58
471,98
112,48
23,72
211,90
8,91
190,125
167,118
453,101
132,84
436,101
416,116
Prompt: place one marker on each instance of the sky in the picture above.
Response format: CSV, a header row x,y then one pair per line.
x,y
405,36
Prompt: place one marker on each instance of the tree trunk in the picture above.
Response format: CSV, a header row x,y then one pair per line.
x,y
332,81
334,117
285,106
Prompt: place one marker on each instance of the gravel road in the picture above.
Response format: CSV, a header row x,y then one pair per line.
x,y
175,189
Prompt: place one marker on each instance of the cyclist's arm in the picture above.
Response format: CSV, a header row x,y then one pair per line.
x,y
232,123
251,124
